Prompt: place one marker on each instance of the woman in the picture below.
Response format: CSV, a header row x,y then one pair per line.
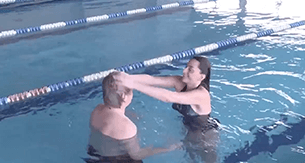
x,y
191,99
113,137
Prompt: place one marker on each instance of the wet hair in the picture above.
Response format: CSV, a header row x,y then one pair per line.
x,y
205,68
112,91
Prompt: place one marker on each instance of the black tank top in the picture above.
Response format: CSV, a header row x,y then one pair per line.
x,y
193,120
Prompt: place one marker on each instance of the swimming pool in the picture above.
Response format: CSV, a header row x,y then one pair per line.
x,y
254,86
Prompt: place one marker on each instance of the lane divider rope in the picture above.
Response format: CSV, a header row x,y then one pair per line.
x,y
5,2
93,19
138,65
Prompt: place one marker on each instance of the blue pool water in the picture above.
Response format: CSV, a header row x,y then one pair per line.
x,y
257,88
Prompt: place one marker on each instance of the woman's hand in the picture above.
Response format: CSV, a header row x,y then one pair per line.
x,y
124,79
121,76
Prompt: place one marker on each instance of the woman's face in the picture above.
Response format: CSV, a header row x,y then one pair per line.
x,y
192,73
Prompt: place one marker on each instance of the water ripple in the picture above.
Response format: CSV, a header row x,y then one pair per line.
x,y
243,98
281,93
298,149
258,57
239,86
286,73
234,68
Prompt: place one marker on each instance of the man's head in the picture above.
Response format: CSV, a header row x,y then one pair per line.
x,y
114,94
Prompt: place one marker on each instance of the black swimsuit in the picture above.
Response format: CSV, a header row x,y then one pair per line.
x,y
194,121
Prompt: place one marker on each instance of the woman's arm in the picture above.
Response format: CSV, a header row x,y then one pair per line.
x,y
163,81
143,84
147,152
137,153
194,97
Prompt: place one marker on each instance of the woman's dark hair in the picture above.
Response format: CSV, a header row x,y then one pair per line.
x,y
205,67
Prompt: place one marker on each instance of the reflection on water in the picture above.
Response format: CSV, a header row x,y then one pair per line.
x,y
257,15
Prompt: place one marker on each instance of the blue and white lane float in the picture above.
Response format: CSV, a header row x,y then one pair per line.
x,y
21,2
5,2
138,65
93,19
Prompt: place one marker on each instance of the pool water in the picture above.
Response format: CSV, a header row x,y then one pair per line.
x,y
257,88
